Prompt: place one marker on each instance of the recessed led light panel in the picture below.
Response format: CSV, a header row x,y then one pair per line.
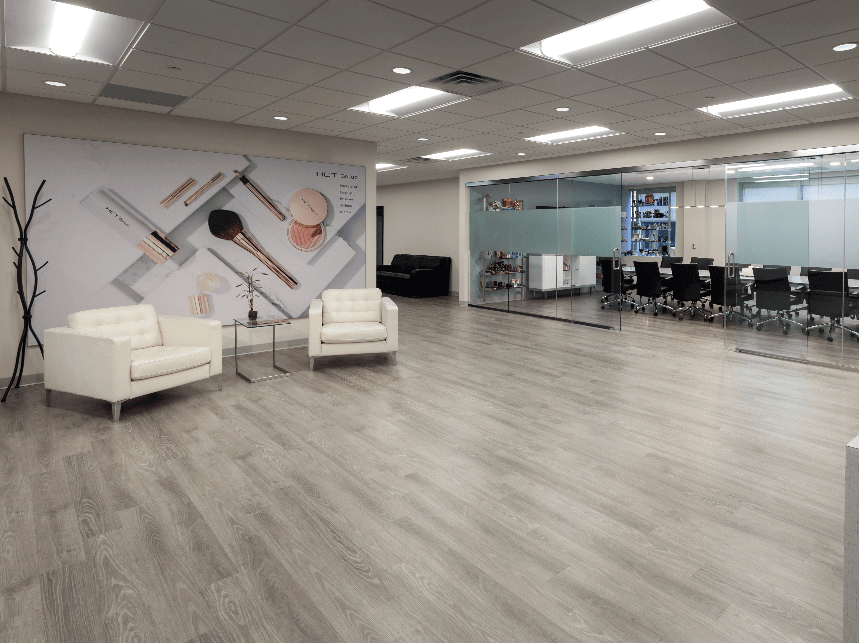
x,y
70,31
456,155
409,101
574,135
387,167
777,102
648,25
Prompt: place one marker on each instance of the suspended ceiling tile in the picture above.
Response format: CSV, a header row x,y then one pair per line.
x,y
451,48
517,96
634,67
234,96
178,44
743,9
141,80
764,63
304,44
829,109
477,108
679,82
767,118
515,67
604,117
819,50
289,106
573,108
128,104
779,125
244,81
806,21
338,127
680,119
570,83
64,67
15,87
649,108
714,46
134,9
710,96
835,117
440,118
521,117
588,10
365,22
218,21
840,72
778,83
614,96
171,67
513,23
361,85
298,71
435,11
329,97
19,78
382,66
225,110
265,117
310,129
278,9
404,125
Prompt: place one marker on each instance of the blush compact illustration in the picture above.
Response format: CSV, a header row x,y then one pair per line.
x,y
306,231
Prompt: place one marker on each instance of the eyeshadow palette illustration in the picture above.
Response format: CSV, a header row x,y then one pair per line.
x,y
134,223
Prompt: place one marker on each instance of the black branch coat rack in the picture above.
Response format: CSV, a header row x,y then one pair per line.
x,y
27,306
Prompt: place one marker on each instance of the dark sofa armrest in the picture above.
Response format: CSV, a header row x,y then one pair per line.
x,y
386,268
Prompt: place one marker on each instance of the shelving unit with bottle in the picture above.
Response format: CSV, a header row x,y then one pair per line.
x,y
649,226
503,270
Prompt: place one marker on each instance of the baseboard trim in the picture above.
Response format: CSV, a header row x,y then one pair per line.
x,y
797,360
27,380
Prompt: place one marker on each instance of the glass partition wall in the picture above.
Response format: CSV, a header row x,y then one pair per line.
x,y
793,260
536,247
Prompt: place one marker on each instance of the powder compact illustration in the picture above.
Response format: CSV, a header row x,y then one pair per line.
x,y
308,209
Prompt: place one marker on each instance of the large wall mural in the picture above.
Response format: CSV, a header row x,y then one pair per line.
x,y
175,228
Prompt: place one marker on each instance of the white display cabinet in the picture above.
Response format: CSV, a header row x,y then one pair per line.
x,y
559,272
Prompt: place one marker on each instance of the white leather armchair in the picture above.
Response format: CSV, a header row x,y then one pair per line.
x,y
350,322
116,354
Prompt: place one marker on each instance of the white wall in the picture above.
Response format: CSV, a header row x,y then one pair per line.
x,y
422,219
703,228
805,137
32,115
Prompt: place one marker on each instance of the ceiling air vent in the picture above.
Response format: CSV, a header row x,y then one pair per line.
x,y
136,95
465,83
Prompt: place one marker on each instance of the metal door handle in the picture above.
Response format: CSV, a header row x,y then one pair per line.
x,y
615,260
732,267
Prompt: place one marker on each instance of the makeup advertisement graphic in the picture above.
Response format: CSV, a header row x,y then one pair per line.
x,y
133,223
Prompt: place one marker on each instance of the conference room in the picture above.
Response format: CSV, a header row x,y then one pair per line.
x,y
757,252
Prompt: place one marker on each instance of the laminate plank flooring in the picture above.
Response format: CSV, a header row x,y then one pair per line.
x,y
511,479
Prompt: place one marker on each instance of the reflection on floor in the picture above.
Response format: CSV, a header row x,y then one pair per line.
x,y
843,350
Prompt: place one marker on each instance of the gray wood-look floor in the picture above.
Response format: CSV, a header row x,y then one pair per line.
x,y
510,479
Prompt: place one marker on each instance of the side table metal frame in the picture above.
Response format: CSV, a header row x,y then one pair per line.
x,y
252,380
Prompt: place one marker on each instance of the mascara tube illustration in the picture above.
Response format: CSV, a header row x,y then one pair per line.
x,y
151,242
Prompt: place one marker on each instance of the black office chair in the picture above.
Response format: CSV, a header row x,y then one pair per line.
x,y
803,270
615,285
853,273
703,263
728,293
773,294
667,261
687,289
773,267
826,292
648,283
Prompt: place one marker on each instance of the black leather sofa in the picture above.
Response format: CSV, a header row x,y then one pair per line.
x,y
415,276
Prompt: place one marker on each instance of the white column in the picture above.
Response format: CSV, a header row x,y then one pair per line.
x,y
851,544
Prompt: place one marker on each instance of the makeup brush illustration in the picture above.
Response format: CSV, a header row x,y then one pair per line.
x,y
227,225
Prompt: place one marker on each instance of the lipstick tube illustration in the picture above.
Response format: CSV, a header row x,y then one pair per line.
x,y
130,226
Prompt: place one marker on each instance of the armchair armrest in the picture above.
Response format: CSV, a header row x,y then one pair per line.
x,y
314,337
88,363
391,322
187,331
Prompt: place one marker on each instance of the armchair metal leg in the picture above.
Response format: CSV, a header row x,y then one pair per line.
x,y
115,406
393,357
311,363
220,384
48,396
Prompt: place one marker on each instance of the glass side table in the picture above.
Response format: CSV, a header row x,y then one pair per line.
x,y
260,322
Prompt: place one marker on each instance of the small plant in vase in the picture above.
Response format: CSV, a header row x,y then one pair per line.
x,y
250,286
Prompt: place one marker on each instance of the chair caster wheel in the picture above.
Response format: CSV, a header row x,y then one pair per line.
x,y
675,315
829,339
711,319
603,307
655,314
807,333
785,331
820,331
758,327
752,324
